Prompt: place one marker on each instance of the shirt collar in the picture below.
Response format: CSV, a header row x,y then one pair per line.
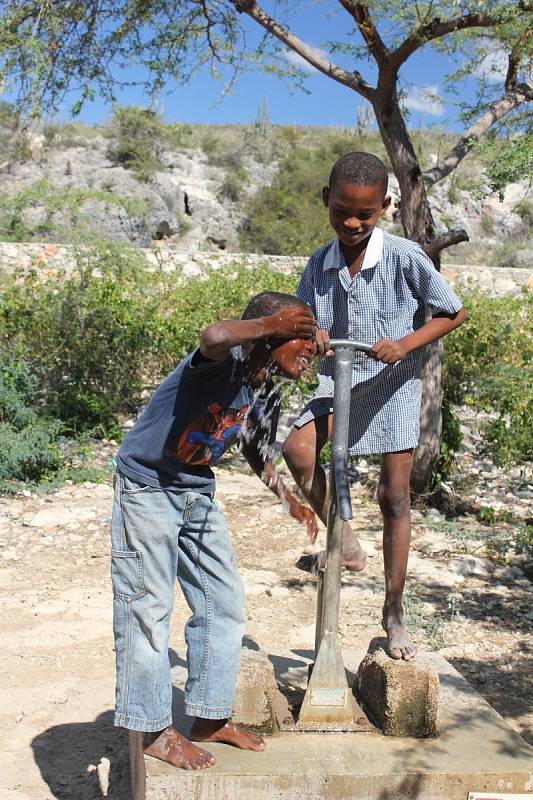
x,y
374,250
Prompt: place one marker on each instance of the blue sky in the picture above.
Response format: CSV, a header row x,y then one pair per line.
x,y
327,103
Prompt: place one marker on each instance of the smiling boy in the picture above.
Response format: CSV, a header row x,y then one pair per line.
x,y
373,287
167,525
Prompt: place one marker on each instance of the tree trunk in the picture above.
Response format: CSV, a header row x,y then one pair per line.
x,y
426,455
418,224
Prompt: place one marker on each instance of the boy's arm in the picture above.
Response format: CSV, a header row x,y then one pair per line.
x,y
389,351
294,322
430,286
265,469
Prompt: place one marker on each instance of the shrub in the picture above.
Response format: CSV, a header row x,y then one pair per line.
x,y
487,364
96,340
139,137
288,217
84,336
233,184
28,445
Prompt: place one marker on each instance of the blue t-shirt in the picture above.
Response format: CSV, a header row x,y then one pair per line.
x,y
199,411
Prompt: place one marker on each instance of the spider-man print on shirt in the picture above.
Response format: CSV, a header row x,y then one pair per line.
x,y
206,438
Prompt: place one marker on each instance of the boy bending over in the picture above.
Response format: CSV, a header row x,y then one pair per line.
x,y
166,524
371,286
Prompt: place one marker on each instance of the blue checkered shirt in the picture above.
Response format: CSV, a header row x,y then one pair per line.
x,y
385,299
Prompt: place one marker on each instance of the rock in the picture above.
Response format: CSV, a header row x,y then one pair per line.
x,y
369,548
278,591
433,574
255,694
430,543
257,581
55,516
401,696
467,566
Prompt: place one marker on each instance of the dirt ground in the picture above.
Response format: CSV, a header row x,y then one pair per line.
x,y
56,646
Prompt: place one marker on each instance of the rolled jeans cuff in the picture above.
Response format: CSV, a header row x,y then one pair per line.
x,y
146,726
207,713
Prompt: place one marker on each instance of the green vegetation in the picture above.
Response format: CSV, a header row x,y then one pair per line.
x,y
86,346
288,217
506,544
28,438
488,365
139,138
511,160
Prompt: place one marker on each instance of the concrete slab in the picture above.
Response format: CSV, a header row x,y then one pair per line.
x,y
474,751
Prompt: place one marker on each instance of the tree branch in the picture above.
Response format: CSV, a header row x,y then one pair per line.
x,y
373,40
436,29
514,60
494,112
446,240
353,80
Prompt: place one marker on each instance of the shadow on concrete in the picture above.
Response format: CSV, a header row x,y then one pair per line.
x,y
63,753
409,788
505,682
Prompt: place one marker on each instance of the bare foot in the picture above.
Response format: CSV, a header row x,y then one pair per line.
x,y
353,556
225,730
400,645
170,746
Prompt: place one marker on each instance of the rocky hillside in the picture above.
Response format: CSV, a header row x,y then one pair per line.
x,y
137,180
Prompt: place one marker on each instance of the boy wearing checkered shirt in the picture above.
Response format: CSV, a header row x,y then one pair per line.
x,y
373,287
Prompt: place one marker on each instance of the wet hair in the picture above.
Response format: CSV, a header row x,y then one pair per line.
x,y
266,303
361,169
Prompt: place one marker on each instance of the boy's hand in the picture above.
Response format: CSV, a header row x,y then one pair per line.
x,y
387,351
307,517
293,322
323,347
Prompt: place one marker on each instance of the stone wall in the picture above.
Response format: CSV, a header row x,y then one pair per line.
x,y
48,259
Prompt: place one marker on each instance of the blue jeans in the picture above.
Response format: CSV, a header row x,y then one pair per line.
x,y
158,535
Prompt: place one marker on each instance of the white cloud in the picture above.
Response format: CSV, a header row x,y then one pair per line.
x,y
426,100
300,62
493,67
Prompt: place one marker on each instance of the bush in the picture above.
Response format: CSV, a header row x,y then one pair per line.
x,y
85,336
97,340
233,184
87,346
28,446
487,364
288,217
139,137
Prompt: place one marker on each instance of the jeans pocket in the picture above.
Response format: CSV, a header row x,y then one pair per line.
x,y
127,574
136,488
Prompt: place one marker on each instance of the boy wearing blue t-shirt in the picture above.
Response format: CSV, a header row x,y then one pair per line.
x,y
373,287
167,525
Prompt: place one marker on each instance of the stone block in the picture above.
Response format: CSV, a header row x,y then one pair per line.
x,y
400,696
255,694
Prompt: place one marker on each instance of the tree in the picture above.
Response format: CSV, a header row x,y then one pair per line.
x,y
47,48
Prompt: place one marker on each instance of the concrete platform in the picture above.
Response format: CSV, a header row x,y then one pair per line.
x,y
474,751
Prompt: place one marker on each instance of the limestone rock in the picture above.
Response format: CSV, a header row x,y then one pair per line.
x,y
255,695
401,696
